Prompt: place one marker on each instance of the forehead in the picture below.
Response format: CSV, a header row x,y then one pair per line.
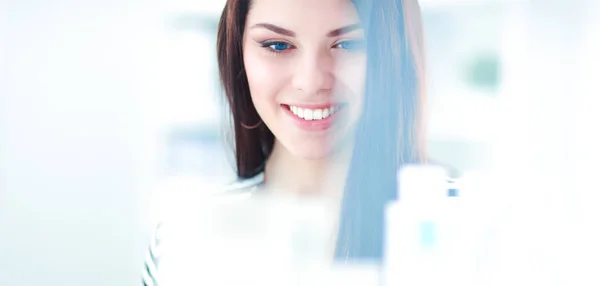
x,y
301,15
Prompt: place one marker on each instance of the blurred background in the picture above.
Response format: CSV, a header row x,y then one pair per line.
x,y
106,105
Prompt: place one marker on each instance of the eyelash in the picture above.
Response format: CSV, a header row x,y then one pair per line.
x,y
268,45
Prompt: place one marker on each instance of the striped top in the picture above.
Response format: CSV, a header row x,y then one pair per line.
x,y
152,259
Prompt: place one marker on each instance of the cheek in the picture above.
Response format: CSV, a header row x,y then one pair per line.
x,y
352,75
265,77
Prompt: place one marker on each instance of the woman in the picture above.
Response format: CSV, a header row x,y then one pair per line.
x,y
325,98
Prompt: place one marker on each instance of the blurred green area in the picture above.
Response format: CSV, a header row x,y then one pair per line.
x,y
483,71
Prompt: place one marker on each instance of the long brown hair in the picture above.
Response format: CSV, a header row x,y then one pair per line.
x,y
391,127
252,145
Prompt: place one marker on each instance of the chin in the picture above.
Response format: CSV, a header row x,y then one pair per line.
x,y
312,151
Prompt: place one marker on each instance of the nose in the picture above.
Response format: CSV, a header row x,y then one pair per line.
x,y
314,73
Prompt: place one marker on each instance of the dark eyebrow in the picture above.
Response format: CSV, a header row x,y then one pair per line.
x,y
343,30
286,32
275,29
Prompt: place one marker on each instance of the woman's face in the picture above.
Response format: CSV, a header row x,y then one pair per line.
x,y
305,61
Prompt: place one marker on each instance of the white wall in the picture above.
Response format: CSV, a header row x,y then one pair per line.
x,y
88,92
75,143
548,149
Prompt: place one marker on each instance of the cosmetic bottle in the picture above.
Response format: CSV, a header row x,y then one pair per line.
x,y
413,246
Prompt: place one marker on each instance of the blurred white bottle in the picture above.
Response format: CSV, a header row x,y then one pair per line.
x,y
413,255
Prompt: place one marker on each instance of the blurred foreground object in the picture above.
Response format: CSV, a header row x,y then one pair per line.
x,y
477,236
255,241
436,228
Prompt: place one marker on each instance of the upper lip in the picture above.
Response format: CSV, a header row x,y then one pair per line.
x,y
313,105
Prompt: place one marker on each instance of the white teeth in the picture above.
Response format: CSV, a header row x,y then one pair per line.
x,y
318,114
308,114
313,114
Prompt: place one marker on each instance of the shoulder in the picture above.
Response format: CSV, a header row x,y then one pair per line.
x,y
243,185
182,204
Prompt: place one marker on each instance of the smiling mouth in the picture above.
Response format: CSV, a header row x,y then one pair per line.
x,y
313,114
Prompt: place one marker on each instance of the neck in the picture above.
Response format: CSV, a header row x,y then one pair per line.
x,y
291,175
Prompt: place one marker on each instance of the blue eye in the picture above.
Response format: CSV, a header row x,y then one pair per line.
x,y
352,45
280,46
276,47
